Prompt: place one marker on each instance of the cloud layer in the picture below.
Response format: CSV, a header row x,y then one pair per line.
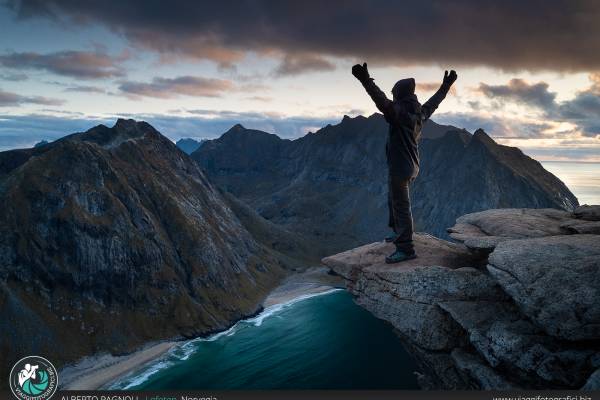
x,y
560,35
75,64
522,92
172,87
9,99
298,64
582,111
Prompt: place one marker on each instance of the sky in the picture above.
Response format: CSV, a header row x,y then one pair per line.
x,y
528,72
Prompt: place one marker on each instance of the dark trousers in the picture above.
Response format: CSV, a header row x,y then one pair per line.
x,y
400,215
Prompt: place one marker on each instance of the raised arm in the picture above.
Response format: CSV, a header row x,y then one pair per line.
x,y
434,102
381,101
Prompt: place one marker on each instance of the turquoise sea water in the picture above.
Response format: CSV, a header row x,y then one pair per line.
x,y
319,342
582,178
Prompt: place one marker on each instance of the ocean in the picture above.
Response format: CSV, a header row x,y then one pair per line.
x,y
582,178
322,341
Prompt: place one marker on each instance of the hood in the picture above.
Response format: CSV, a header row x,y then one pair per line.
x,y
404,96
403,88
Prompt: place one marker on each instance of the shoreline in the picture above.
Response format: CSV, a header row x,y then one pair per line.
x,y
95,372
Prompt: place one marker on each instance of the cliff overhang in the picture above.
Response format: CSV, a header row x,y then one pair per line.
x,y
516,304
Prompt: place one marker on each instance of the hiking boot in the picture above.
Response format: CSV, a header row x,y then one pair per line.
x,y
399,256
391,238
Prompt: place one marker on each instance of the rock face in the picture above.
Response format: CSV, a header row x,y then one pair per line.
x,y
546,260
485,230
114,237
526,317
555,281
588,213
331,185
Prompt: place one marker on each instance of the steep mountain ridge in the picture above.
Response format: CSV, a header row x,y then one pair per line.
x,y
113,237
331,185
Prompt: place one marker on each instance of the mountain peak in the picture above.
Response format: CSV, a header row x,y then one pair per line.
x,y
125,123
123,130
483,137
123,203
131,126
237,128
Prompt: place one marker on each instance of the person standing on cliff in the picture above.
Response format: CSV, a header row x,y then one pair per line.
x,y
405,116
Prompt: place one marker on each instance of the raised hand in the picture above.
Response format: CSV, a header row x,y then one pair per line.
x,y
360,72
450,78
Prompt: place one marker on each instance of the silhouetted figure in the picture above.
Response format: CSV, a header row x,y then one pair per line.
x,y
406,117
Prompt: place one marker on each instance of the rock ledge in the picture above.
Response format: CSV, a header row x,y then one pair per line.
x,y
516,306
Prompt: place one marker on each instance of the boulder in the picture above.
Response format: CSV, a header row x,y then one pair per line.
x,y
588,213
593,382
431,251
508,341
439,370
529,319
555,281
582,227
407,294
483,231
475,368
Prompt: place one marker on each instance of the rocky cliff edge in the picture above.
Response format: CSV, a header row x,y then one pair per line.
x,y
515,304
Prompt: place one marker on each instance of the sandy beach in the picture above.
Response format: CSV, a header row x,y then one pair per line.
x,y
312,281
95,372
99,371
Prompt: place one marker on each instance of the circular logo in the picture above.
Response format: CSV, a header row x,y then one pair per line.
x,y
33,378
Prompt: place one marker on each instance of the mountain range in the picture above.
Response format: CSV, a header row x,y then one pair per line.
x,y
330,186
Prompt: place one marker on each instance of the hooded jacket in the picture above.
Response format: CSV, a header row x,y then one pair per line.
x,y
405,116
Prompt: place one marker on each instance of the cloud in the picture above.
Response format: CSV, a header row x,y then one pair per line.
x,y
520,91
75,64
172,87
496,126
84,89
428,86
293,64
578,153
8,99
432,87
583,110
14,77
265,99
511,35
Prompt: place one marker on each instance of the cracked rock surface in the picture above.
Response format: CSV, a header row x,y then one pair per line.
x,y
516,305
